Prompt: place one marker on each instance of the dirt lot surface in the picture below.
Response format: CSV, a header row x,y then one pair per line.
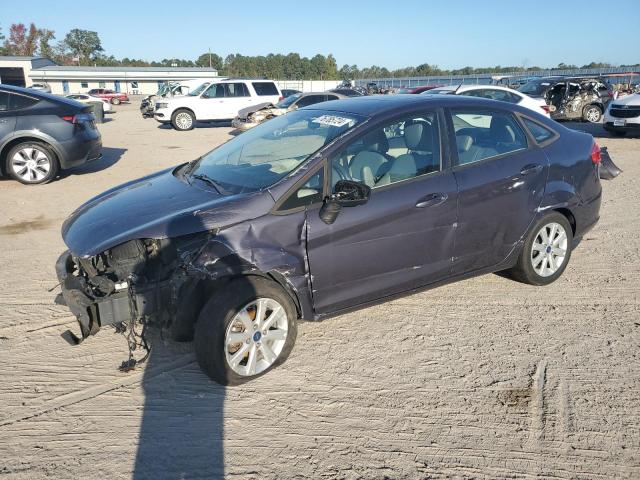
x,y
483,378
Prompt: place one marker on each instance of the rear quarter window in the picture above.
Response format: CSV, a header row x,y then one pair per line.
x,y
537,131
20,102
265,89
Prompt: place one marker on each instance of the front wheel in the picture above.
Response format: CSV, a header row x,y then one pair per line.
x,y
183,120
592,113
546,251
115,101
245,330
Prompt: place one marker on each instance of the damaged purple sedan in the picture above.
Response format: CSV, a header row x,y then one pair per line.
x,y
326,210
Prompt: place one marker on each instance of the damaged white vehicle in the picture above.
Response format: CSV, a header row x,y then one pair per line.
x,y
256,114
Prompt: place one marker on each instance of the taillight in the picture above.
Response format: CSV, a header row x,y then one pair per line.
x,y
69,118
545,108
280,99
596,156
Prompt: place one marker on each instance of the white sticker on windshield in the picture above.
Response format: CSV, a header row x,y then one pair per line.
x,y
331,120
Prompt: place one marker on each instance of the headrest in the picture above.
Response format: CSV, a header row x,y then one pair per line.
x,y
376,141
501,129
464,142
419,136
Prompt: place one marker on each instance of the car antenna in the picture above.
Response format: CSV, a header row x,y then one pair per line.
x,y
457,88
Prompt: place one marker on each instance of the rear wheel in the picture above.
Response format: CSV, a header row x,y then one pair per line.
x,y
546,251
245,330
592,113
31,163
183,120
115,101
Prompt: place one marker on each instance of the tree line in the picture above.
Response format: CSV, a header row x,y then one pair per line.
x,y
83,47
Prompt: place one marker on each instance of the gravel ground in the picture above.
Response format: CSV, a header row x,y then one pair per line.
x,y
485,378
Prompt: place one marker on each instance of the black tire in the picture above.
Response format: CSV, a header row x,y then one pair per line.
x,y
35,146
592,114
523,271
219,311
183,324
178,124
115,101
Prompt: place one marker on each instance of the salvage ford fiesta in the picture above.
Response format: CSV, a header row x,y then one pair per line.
x,y
325,210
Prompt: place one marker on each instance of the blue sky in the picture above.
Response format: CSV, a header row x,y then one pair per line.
x,y
389,33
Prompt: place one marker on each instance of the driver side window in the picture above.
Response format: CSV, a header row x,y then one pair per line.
x,y
391,153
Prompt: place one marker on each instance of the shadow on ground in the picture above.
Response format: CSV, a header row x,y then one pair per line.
x,y
181,433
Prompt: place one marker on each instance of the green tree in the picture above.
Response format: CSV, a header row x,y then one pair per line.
x,y
44,48
83,44
210,59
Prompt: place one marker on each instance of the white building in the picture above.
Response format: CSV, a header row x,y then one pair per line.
x,y
25,71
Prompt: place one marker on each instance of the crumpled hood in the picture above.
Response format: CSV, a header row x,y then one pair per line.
x,y
245,112
156,206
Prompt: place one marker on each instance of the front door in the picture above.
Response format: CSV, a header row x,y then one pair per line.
x,y
402,237
501,180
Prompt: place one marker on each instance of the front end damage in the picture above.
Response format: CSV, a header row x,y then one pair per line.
x,y
134,283
164,283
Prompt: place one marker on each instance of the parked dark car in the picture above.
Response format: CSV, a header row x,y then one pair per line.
x,y
327,209
287,92
572,98
41,134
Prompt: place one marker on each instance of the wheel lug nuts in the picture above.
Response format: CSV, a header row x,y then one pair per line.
x,y
264,332
248,340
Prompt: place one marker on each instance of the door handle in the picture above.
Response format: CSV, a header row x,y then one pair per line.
x,y
531,168
432,200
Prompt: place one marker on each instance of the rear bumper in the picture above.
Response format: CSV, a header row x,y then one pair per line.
x,y
80,150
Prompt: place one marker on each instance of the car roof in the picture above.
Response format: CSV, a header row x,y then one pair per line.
x,y
39,94
371,105
466,88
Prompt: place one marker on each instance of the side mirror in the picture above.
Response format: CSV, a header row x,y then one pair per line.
x,y
350,193
347,193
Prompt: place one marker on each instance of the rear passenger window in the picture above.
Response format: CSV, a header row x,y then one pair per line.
x,y
236,90
310,100
4,101
482,134
18,102
265,88
540,133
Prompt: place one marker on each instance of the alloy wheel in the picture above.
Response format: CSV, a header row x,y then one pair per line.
x,y
31,164
593,115
256,336
549,249
184,121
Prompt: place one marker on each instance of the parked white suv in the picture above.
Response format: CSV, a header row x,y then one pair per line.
x,y
220,101
623,115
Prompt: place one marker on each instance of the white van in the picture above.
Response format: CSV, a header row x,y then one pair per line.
x,y
220,101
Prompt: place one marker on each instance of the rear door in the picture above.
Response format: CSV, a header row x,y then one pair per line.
x,y
236,97
501,178
7,116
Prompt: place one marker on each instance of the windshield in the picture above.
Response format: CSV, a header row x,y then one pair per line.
x,y
286,103
199,90
267,153
534,87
